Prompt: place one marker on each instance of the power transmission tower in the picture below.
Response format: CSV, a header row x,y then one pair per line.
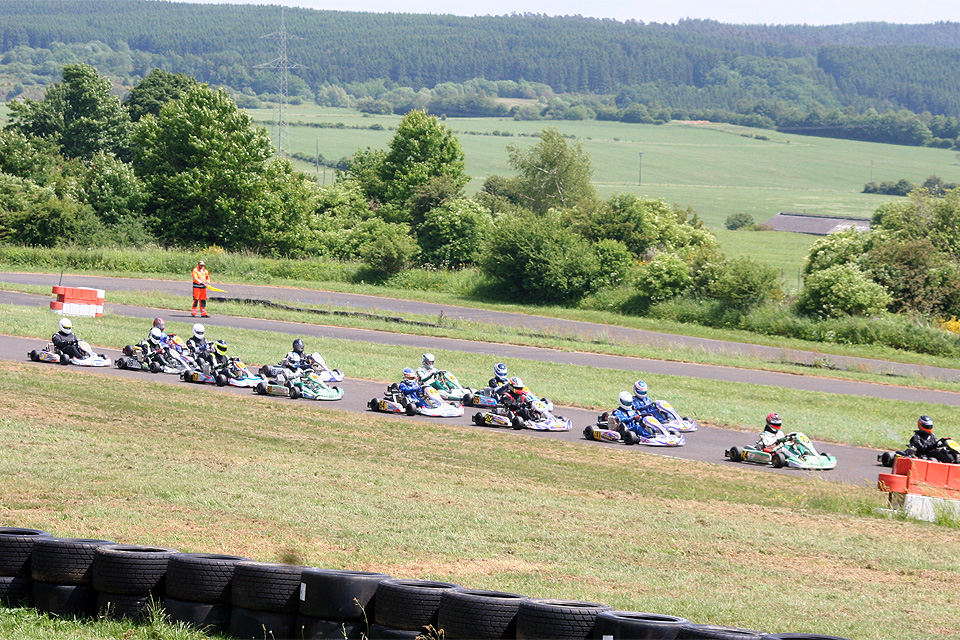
x,y
281,64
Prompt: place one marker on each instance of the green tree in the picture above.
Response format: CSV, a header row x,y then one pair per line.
x,y
841,247
79,114
554,173
212,179
154,91
842,289
738,283
453,233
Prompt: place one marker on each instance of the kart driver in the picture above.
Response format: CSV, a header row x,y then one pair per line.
x,y
410,387
291,368
199,348
629,417
771,436
427,371
499,376
924,444
66,342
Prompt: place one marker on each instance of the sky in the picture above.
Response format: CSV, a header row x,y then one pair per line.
x,y
813,12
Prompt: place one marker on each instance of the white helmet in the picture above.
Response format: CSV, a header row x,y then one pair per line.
x,y
198,331
427,359
626,400
65,325
293,360
155,335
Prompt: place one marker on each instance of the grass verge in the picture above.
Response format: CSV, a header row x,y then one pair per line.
x,y
202,470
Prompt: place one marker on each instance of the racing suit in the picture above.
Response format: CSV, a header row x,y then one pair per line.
x,y
67,343
412,390
927,445
633,420
201,350
425,374
769,439
646,407
289,373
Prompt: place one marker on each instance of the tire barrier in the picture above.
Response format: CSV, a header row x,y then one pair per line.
x,y
235,596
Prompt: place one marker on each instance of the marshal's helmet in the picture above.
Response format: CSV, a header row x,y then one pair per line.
x,y
773,421
925,424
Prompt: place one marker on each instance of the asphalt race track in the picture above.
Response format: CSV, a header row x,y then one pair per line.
x,y
855,465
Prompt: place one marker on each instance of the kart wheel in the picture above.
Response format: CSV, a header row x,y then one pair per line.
x,y
120,364
410,409
34,355
778,460
294,393
467,400
154,367
629,437
221,380
518,423
64,359
735,455
261,389
373,404
588,433
478,419
886,458
264,372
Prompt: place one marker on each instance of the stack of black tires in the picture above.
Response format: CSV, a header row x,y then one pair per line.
x,y
75,577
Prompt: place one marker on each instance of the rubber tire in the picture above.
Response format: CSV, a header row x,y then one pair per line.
x,y
713,632
131,570
409,604
261,389
294,393
331,594
201,577
15,591
34,356
634,625
124,607
374,404
478,419
267,586
778,460
886,458
221,380
64,561
543,619
311,628
518,423
380,632
410,409
120,363
735,454
805,636
65,600
209,617
588,433
630,438
64,359
16,547
467,400
476,613
257,625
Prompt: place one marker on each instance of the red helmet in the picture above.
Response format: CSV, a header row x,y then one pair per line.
x,y
925,424
773,421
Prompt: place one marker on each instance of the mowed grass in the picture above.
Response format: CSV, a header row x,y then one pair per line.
x,y
855,420
717,169
199,469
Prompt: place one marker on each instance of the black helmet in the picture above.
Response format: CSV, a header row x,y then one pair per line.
x,y
298,345
925,424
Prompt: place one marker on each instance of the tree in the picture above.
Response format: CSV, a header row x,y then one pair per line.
x,y
554,173
154,91
79,114
212,179
453,233
841,290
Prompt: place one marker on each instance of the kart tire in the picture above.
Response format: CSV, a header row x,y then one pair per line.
x,y
374,404
588,433
633,625
331,594
409,604
221,380
120,363
210,617
478,419
294,393
131,570
518,423
542,619
64,561
16,549
410,409
154,367
713,632
886,458
14,591
778,460
201,577
313,628
261,389
64,600
266,586
476,613
629,437
380,632
467,400
64,359
251,623
123,607
33,355
735,455
265,371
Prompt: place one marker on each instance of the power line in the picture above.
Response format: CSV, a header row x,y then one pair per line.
x,y
282,64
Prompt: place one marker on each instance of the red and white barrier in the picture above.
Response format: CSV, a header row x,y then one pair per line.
x,y
922,489
78,301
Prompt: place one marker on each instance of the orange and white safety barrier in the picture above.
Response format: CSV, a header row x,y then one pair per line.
x,y
78,301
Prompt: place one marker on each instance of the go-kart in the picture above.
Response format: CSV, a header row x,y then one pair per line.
x,y
530,414
233,373
610,429
948,450
795,451
309,386
667,416
173,358
313,362
429,404
51,354
449,387
487,399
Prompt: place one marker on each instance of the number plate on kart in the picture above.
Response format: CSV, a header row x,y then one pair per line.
x,y
195,376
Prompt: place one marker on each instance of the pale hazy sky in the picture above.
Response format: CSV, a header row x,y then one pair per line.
x,y
815,12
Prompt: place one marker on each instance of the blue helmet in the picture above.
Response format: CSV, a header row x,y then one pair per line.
x,y
639,388
409,374
500,371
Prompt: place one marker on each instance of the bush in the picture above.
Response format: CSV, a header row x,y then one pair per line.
x,y
740,220
664,277
453,233
842,289
739,283
615,263
388,248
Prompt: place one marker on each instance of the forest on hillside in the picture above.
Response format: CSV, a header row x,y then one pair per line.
x,y
868,81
